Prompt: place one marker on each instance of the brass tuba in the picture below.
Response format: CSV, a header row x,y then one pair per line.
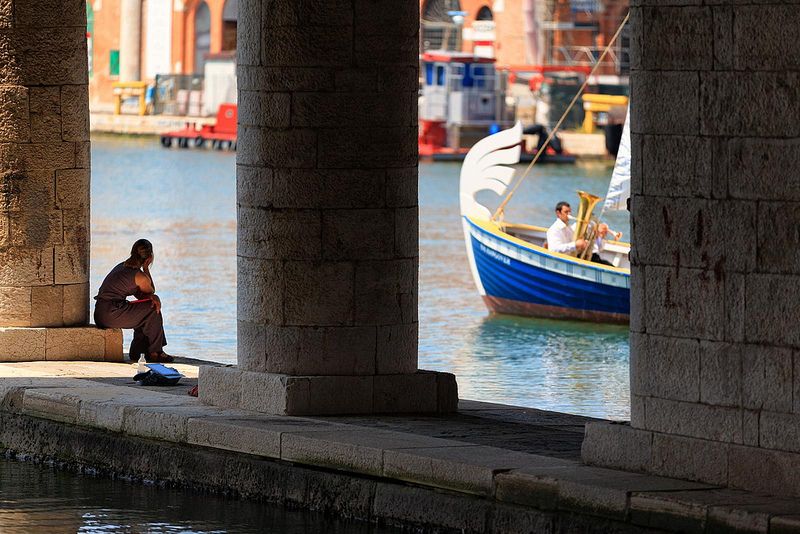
x,y
584,218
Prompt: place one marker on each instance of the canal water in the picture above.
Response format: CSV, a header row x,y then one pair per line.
x,y
38,499
185,202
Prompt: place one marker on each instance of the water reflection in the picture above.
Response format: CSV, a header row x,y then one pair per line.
x,y
566,366
556,365
184,201
36,499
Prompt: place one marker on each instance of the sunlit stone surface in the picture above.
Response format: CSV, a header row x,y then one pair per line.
x,y
44,181
44,166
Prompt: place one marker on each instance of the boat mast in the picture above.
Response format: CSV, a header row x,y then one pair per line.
x,y
542,148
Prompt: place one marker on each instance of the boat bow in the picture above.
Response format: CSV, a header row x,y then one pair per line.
x,y
511,266
488,167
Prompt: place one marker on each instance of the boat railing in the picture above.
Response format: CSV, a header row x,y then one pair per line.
x,y
520,226
535,235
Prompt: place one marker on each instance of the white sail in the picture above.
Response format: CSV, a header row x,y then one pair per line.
x,y
619,190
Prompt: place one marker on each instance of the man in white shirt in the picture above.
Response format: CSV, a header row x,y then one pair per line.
x,y
560,235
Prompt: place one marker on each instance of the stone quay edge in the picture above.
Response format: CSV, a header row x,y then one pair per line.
x,y
486,468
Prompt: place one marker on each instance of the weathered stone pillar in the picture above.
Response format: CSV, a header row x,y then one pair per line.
x,y
327,196
44,184
715,368
130,41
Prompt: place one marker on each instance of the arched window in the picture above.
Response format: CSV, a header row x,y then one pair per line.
x,y
439,32
229,16
436,10
202,36
484,13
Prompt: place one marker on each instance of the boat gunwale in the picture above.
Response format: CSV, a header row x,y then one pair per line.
x,y
523,226
500,234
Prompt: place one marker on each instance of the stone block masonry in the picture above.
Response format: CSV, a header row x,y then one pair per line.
x,y
488,468
44,278
44,184
716,263
328,250
59,344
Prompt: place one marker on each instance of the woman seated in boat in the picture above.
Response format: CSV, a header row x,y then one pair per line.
x,y
132,278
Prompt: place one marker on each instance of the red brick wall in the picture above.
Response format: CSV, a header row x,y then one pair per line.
x,y
511,47
104,39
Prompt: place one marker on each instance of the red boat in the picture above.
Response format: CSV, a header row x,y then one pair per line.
x,y
221,134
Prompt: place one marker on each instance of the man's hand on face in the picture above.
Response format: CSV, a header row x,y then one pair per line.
x,y
147,263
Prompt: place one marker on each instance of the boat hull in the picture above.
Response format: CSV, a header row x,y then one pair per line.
x,y
515,277
530,309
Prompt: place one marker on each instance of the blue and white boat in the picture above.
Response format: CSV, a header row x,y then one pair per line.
x,y
514,271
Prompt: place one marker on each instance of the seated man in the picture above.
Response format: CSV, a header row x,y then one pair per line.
x,y
560,235
599,244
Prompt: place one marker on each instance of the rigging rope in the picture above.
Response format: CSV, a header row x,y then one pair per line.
x,y
561,120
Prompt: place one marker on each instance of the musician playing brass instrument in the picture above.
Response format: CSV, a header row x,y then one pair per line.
x,y
561,235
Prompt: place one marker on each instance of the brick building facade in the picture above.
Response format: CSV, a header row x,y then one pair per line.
x,y
175,38
176,35
528,32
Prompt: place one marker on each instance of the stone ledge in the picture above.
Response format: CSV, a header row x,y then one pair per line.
x,y
330,492
354,449
713,510
460,466
446,483
757,469
259,435
605,500
581,489
167,423
78,343
277,394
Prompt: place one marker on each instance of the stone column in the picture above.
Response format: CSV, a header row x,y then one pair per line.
x,y
327,198
130,41
44,184
715,367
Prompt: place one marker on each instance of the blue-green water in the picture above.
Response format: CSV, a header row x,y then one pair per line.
x,y
185,202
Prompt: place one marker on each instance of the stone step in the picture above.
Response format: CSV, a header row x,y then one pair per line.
x,y
86,343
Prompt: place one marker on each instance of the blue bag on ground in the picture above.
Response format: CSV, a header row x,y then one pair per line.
x,y
158,375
